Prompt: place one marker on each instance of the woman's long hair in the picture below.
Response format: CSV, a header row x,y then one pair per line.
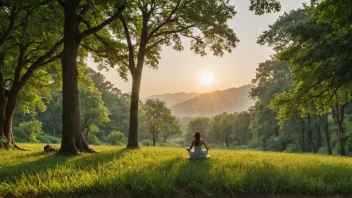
x,y
197,137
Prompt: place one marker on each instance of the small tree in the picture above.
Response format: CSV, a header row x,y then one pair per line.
x,y
92,109
29,130
170,127
159,119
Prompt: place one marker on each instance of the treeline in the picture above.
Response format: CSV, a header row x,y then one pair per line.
x,y
303,94
104,116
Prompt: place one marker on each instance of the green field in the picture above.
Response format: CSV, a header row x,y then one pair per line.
x,y
165,172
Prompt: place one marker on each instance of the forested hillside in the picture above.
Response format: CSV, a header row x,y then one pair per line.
x,y
210,104
174,98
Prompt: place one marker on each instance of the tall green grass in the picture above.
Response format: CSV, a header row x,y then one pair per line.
x,y
165,172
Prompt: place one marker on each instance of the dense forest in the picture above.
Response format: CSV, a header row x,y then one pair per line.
x,y
49,95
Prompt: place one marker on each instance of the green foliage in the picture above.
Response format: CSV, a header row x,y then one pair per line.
x,y
29,130
93,140
92,109
48,139
292,148
115,138
114,100
261,7
275,143
159,120
146,142
200,124
315,41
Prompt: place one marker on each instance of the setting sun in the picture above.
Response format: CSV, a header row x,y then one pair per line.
x,y
207,78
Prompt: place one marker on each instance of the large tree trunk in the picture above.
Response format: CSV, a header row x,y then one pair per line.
x,y
70,103
133,127
326,134
9,113
3,101
72,137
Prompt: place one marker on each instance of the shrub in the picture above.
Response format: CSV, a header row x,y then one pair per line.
x,y
115,138
275,143
92,139
29,130
146,142
291,148
48,139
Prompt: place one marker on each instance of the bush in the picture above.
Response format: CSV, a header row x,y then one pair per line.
x,y
29,130
146,142
116,138
291,148
92,139
48,139
101,135
275,143
322,150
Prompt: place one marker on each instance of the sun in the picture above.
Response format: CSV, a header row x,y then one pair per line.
x,y
207,78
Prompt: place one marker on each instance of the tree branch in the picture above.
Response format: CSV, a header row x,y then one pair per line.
x,y
173,31
131,64
9,28
153,45
19,66
103,24
39,63
168,20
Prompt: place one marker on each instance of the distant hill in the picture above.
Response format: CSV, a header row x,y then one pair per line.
x,y
174,98
217,102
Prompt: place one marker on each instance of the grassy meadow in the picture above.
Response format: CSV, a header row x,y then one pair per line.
x,y
165,172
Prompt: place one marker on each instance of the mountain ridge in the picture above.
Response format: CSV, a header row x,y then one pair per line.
x,y
230,100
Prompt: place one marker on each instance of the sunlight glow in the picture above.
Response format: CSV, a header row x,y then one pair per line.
x,y
207,78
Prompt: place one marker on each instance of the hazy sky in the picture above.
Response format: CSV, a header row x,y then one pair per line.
x,y
182,71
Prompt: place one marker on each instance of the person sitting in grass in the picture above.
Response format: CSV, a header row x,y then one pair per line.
x,y
198,152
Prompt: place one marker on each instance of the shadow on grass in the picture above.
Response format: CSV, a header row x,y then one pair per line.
x,y
52,161
169,178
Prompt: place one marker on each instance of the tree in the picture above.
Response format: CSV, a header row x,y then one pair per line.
x,y
25,51
80,21
241,132
93,111
170,127
215,133
321,79
116,101
157,116
52,118
199,124
261,7
29,130
148,25
272,77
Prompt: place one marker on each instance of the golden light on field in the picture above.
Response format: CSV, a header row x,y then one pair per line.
x,y
207,78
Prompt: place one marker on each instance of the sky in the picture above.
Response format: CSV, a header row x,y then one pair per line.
x,y
187,72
